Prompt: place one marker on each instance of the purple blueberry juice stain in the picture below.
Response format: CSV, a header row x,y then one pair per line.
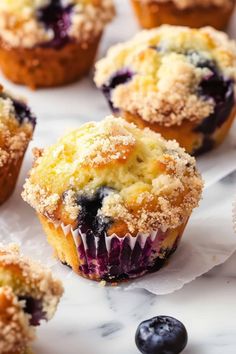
x,y
121,77
114,258
102,255
91,253
125,257
34,308
91,244
84,269
143,260
136,256
57,18
83,259
147,250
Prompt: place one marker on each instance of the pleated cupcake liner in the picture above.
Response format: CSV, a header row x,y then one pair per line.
x,y
113,258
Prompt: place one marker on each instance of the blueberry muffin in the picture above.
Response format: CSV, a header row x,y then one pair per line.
x,y
47,43
178,81
234,215
192,13
28,295
17,125
113,199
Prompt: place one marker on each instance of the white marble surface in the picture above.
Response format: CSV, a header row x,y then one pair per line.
x,y
95,320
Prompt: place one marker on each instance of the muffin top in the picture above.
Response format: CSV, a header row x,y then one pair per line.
x,y
15,331
112,176
170,74
185,4
52,23
16,127
32,284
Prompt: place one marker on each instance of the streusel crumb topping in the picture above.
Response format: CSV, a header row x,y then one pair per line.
x,y
153,183
15,332
185,4
21,26
165,69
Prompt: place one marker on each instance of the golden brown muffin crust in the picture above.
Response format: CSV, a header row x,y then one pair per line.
x,y
20,26
164,73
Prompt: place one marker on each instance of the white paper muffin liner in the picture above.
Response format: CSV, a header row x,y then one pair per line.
x,y
114,258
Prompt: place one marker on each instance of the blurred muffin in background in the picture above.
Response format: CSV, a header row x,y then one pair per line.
x,y
192,13
17,124
113,199
47,43
28,295
180,82
234,215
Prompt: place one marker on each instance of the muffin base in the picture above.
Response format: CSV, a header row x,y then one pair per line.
x,y
47,67
154,14
111,258
8,177
194,142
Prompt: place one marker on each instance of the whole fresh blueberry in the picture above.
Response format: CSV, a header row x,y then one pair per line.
x,y
161,335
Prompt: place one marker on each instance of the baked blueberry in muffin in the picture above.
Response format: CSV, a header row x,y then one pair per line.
x,y
17,124
56,17
192,13
177,81
121,77
28,295
47,43
113,199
